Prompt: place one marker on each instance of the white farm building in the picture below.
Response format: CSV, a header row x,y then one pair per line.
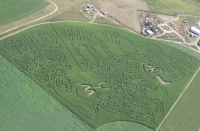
x,y
194,30
149,32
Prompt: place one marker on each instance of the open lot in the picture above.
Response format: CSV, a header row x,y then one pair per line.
x,y
187,22
25,106
185,115
125,11
99,71
68,10
13,10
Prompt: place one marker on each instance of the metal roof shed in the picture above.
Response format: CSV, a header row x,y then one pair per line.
x,y
149,32
198,43
194,30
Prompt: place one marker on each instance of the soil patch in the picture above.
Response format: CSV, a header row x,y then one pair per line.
x,y
177,25
162,81
88,88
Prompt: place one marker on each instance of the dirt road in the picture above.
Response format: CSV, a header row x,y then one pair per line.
x,y
174,31
56,8
21,28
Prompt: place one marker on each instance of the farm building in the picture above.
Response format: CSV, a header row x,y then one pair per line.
x,y
86,9
198,43
105,13
149,32
95,10
153,28
89,5
194,30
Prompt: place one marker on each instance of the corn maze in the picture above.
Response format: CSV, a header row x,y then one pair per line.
x,y
102,74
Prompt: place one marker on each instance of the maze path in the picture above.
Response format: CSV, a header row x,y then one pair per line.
x,y
64,57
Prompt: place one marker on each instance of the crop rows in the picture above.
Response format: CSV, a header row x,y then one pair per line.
x,y
13,10
185,115
97,72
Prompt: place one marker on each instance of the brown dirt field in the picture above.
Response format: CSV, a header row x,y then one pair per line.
x,y
125,11
166,28
159,17
162,81
105,20
153,18
178,26
68,10
165,18
170,36
77,16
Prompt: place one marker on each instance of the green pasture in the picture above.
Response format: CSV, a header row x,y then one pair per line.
x,y
25,106
123,126
190,20
174,7
185,115
13,10
101,73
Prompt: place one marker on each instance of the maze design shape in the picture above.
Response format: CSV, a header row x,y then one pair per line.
x,y
99,73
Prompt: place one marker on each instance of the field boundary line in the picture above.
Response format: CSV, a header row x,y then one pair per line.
x,y
157,129
55,10
61,22
96,24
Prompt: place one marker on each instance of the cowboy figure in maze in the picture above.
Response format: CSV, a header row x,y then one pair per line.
x,y
121,68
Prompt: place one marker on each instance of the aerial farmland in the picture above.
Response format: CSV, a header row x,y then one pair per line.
x,y
80,66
